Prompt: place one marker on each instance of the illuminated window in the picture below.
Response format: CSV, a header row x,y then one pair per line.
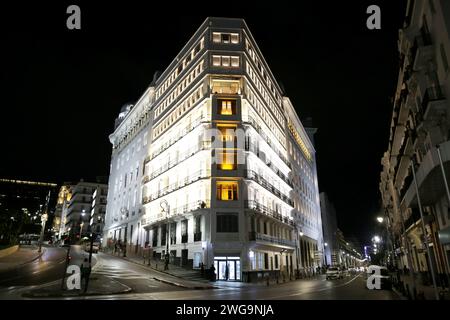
x,y
227,190
216,37
234,38
227,160
216,61
225,86
227,135
235,61
225,61
227,107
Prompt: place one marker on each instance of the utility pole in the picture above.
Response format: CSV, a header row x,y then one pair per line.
x,y
44,218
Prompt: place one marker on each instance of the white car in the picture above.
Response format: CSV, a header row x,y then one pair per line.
x,y
333,273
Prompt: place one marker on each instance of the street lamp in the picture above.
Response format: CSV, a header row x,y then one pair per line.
x,y
166,208
380,219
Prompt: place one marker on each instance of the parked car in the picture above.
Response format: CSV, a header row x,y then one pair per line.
x,y
333,273
382,274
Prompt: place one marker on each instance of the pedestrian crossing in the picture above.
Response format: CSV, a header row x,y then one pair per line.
x,y
117,272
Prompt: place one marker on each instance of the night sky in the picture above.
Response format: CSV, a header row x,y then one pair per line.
x,y
61,89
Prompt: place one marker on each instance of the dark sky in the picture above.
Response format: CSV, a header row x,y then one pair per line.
x,y
61,89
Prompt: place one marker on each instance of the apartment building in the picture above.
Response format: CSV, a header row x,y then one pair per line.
x,y
419,130
215,165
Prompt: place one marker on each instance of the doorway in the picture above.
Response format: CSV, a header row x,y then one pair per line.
x,y
228,268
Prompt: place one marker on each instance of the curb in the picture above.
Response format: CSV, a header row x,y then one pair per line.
x,y
55,295
166,281
183,286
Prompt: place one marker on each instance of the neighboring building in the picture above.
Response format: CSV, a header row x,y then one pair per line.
x,y
329,227
77,208
61,211
420,122
22,203
212,164
349,254
98,210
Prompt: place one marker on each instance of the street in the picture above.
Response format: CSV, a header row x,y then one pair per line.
x,y
148,284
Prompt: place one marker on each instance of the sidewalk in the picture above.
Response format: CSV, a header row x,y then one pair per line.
x,y
192,279
423,291
25,254
188,279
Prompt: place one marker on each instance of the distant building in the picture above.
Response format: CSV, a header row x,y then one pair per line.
x,y
77,209
22,203
329,227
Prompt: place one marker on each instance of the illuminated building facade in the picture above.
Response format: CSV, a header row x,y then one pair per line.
x,y
227,175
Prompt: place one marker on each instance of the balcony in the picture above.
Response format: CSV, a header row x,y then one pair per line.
x,y
264,136
261,209
264,238
202,174
252,148
205,145
252,175
429,178
197,122
177,212
422,50
434,103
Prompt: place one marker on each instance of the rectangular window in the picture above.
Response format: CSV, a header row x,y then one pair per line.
x,y
234,38
216,37
266,261
226,38
225,61
227,190
227,160
216,61
227,222
226,107
225,86
184,231
235,62
276,261
173,233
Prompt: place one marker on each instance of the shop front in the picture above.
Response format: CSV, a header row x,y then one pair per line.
x,y
228,268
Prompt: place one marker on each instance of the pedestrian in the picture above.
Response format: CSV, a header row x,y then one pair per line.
x,y
166,262
212,271
405,270
202,269
85,273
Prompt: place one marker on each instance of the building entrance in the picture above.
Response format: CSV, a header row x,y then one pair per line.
x,y
228,268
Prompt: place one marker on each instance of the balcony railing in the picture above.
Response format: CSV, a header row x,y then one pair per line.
x,y
258,207
256,236
204,145
261,132
431,94
252,147
197,122
250,174
178,212
202,174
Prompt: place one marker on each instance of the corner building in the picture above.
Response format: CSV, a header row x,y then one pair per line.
x,y
226,173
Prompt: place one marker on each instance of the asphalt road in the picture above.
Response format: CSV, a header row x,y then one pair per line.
x,y
141,280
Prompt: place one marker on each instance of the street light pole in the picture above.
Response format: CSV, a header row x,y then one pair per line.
x,y
167,210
